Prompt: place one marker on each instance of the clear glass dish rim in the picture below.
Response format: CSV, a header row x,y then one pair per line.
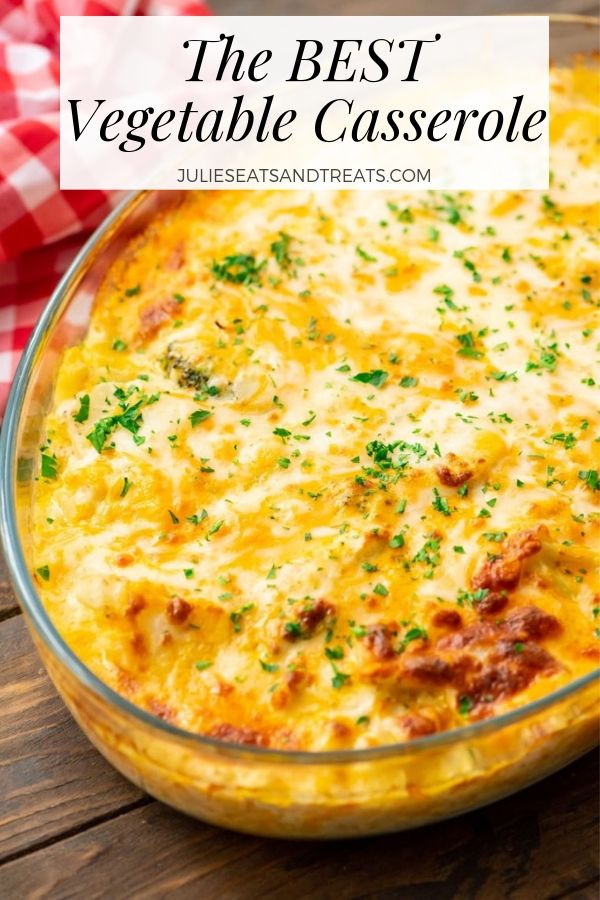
x,y
32,604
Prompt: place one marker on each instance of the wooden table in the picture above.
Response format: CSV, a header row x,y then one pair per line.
x,y
70,826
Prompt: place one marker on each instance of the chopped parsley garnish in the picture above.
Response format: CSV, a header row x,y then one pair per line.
x,y
416,633
504,376
397,541
364,255
466,396
547,359
450,209
129,418
239,268
203,664
44,572
471,597
568,440
268,667
591,478
280,250
402,215
394,456
339,678
494,536
376,377
408,381
429,554
214,528
237,616
126,486
119,345
49,466
465,705
83,412
132,291
195,519
447,293
199,415
440,503
467,346
380,589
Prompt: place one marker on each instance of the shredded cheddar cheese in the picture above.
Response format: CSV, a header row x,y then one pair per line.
x,y
325,470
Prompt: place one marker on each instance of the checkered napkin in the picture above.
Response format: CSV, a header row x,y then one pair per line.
x,y
41,227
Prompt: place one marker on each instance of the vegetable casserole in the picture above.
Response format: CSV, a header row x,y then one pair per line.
x,y
324,472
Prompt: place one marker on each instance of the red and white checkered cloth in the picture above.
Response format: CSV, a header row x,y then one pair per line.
x,y
41,227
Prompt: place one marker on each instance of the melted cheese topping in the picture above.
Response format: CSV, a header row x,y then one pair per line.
x,y
323,472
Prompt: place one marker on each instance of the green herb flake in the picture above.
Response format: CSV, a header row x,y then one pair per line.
x,y
590,478
280,250
49,467
339,678
495,536
440,504
216,527
467,346
239,268
268,667
465,705
83,412
198,416
364,255
44,572
376,377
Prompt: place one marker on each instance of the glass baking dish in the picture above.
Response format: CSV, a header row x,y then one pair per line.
x,y
277,793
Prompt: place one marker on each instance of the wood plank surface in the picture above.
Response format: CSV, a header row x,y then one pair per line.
x,y
51,778
540,843
71,827
8,602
